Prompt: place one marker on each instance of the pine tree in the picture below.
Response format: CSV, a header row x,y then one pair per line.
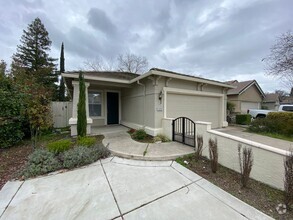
x,y
81,109
2,68
62,70
32,54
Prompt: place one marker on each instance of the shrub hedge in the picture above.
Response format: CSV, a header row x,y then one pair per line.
x,y
243,119
275,122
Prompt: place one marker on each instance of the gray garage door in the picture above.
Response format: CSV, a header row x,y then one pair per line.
x,y
197,108
249,105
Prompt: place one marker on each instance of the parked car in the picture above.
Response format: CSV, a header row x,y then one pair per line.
x,y
259,113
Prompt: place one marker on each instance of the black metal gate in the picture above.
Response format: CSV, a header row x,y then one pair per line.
x,y
184,131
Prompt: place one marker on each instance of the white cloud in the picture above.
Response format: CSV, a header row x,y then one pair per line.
x,y
220,40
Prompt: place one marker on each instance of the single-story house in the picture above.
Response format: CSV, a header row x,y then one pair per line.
x,y
287,100
245,95
271,101
147,101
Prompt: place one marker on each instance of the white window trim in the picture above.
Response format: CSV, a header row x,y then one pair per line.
x,y
102,104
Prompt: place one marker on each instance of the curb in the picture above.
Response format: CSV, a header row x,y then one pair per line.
x,y
146,158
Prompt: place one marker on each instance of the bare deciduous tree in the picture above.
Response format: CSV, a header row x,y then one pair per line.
x,y
132,63
100,64
280,61
282,94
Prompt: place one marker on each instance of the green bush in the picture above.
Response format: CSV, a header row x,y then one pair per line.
x,y
280,122
86,141
258,125
41,162
139,134
243,119
230,106
80,156
275,122
59,146
11,106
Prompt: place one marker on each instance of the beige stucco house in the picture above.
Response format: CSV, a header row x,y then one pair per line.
x,y
148,101
271,101
245,95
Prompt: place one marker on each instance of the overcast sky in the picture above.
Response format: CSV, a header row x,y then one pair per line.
x,y
220,40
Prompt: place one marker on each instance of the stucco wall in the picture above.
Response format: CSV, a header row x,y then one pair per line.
x,y
138,106
251,95
268,161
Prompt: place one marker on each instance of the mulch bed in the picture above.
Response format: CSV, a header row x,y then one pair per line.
x,y
13,160
258,195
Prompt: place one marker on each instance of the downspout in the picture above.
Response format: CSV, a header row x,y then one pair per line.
x,y
144,93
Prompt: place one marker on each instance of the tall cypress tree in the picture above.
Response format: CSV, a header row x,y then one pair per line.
x,y
81,109
33,55
62,70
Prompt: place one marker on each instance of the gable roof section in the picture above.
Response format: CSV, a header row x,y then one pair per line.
x,y
271,97
129,78
241,87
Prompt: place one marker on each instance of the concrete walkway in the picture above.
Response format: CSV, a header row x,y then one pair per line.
x,y
120,144
116,188
241,132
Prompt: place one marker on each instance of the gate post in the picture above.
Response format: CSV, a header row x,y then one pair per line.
x,y
183,130
173,130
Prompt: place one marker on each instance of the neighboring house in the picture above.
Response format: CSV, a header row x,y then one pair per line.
x,y
245,95
271,101
287,100
149,100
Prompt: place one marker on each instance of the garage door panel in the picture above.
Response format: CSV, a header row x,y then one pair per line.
x,y
249,105
197,108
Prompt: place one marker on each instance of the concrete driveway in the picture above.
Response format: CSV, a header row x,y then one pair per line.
x,y
117,188
241,132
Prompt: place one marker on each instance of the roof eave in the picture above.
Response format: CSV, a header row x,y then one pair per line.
x,y
68,75
177,76
251,84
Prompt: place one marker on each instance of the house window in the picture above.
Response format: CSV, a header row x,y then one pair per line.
x,y
95,104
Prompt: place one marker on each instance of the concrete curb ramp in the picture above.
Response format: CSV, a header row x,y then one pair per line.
x,y
116,188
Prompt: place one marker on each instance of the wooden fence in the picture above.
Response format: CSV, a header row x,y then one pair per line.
x,y
61,112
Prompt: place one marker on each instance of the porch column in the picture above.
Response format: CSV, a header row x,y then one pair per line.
x,y
73,120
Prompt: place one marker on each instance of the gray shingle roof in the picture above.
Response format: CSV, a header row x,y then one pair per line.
x,y
271,97
240,86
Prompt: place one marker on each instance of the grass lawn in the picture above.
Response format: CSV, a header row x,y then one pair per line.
x,y
274,135
258,195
